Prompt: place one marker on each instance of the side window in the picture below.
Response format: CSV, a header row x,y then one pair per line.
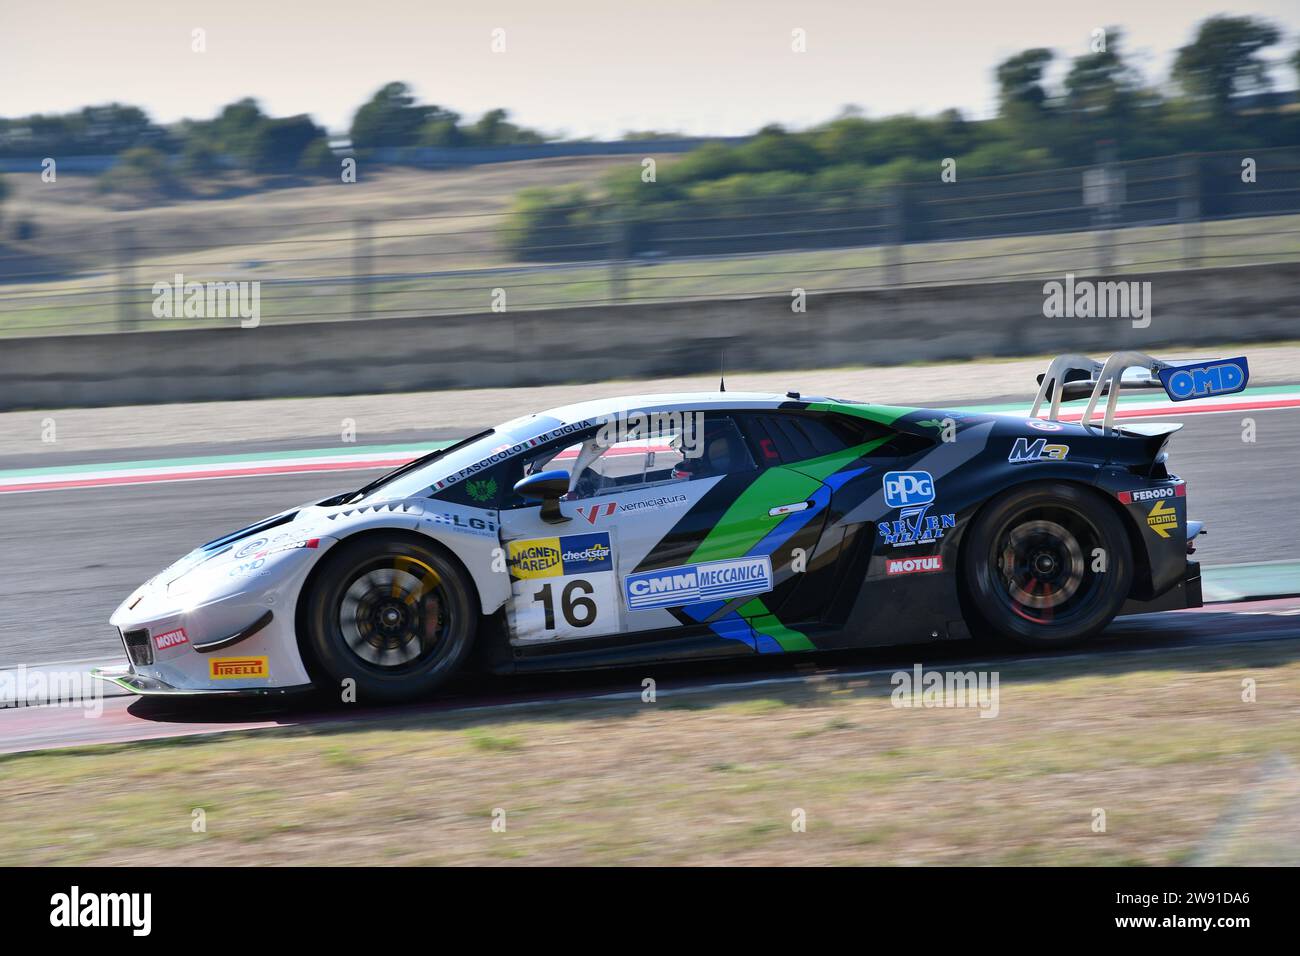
x,y
484,490
686,448
783,438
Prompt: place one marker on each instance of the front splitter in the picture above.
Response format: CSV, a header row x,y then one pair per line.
x,y
127,679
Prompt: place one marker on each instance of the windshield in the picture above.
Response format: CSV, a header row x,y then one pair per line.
x,y
461,461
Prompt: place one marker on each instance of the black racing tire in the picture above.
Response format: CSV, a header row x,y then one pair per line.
x,y
395,614
1030,571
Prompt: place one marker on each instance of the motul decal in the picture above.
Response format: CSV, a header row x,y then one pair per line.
x,y
171,639
913,565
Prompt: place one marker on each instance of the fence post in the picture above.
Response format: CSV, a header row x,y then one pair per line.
x,y
897,234
360,268
1109,211
125,254
619,245
1189,210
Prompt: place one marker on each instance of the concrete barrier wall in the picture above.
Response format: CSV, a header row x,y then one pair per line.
x,y
1245,304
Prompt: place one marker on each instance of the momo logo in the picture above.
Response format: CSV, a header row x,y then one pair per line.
x,y
227,668
586,553
1037,450
536,558
905,488
697,583
913,565
171,639
1162,519
1187,382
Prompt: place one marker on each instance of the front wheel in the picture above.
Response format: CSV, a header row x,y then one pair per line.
x,y
1047,565
391,613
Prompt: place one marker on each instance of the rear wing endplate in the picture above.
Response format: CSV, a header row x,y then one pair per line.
x,y
1070,377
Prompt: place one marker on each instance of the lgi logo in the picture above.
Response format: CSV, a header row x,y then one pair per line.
x,y
908,488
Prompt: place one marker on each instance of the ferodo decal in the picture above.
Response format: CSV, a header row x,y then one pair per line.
x,y
932,562
233,668
1150,494
1037,450
697,583
1162,519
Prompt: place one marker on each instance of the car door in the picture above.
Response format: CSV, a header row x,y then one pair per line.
x,y
687,517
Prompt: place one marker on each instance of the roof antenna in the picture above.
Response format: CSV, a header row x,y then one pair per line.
x,y
722,371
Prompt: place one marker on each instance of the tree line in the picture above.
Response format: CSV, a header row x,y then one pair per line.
x,y
1217,98
242,138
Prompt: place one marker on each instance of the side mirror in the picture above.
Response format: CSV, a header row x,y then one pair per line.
x,y
548,487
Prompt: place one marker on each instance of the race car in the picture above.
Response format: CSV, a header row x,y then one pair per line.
x,y
692,526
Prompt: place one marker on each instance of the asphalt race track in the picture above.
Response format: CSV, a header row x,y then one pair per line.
x,y
70,556
1133,642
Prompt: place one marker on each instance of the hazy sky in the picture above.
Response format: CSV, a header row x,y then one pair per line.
x,y
582,67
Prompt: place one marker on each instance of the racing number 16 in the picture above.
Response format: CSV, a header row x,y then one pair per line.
x,y
578,611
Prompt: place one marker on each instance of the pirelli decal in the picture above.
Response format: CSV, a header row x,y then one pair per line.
x,y
236,668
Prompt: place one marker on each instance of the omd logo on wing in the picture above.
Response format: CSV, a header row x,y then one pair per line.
x,y
904,488
1202,380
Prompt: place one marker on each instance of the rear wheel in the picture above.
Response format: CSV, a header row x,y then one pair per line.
x,y
391,613
1047,565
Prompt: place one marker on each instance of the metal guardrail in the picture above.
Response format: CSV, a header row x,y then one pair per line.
x,y
1150,215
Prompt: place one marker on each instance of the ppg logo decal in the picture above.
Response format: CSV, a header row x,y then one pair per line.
x,y
1201,381
904,488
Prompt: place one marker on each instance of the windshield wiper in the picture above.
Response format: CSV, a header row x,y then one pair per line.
x,y
350,496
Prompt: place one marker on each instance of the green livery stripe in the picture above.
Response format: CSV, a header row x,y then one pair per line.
x,y
822,468
747,521
766,623
880,414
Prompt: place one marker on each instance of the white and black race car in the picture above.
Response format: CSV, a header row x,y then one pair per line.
x,y
693,526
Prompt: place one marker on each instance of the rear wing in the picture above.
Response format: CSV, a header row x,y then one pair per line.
x,y
1071,377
